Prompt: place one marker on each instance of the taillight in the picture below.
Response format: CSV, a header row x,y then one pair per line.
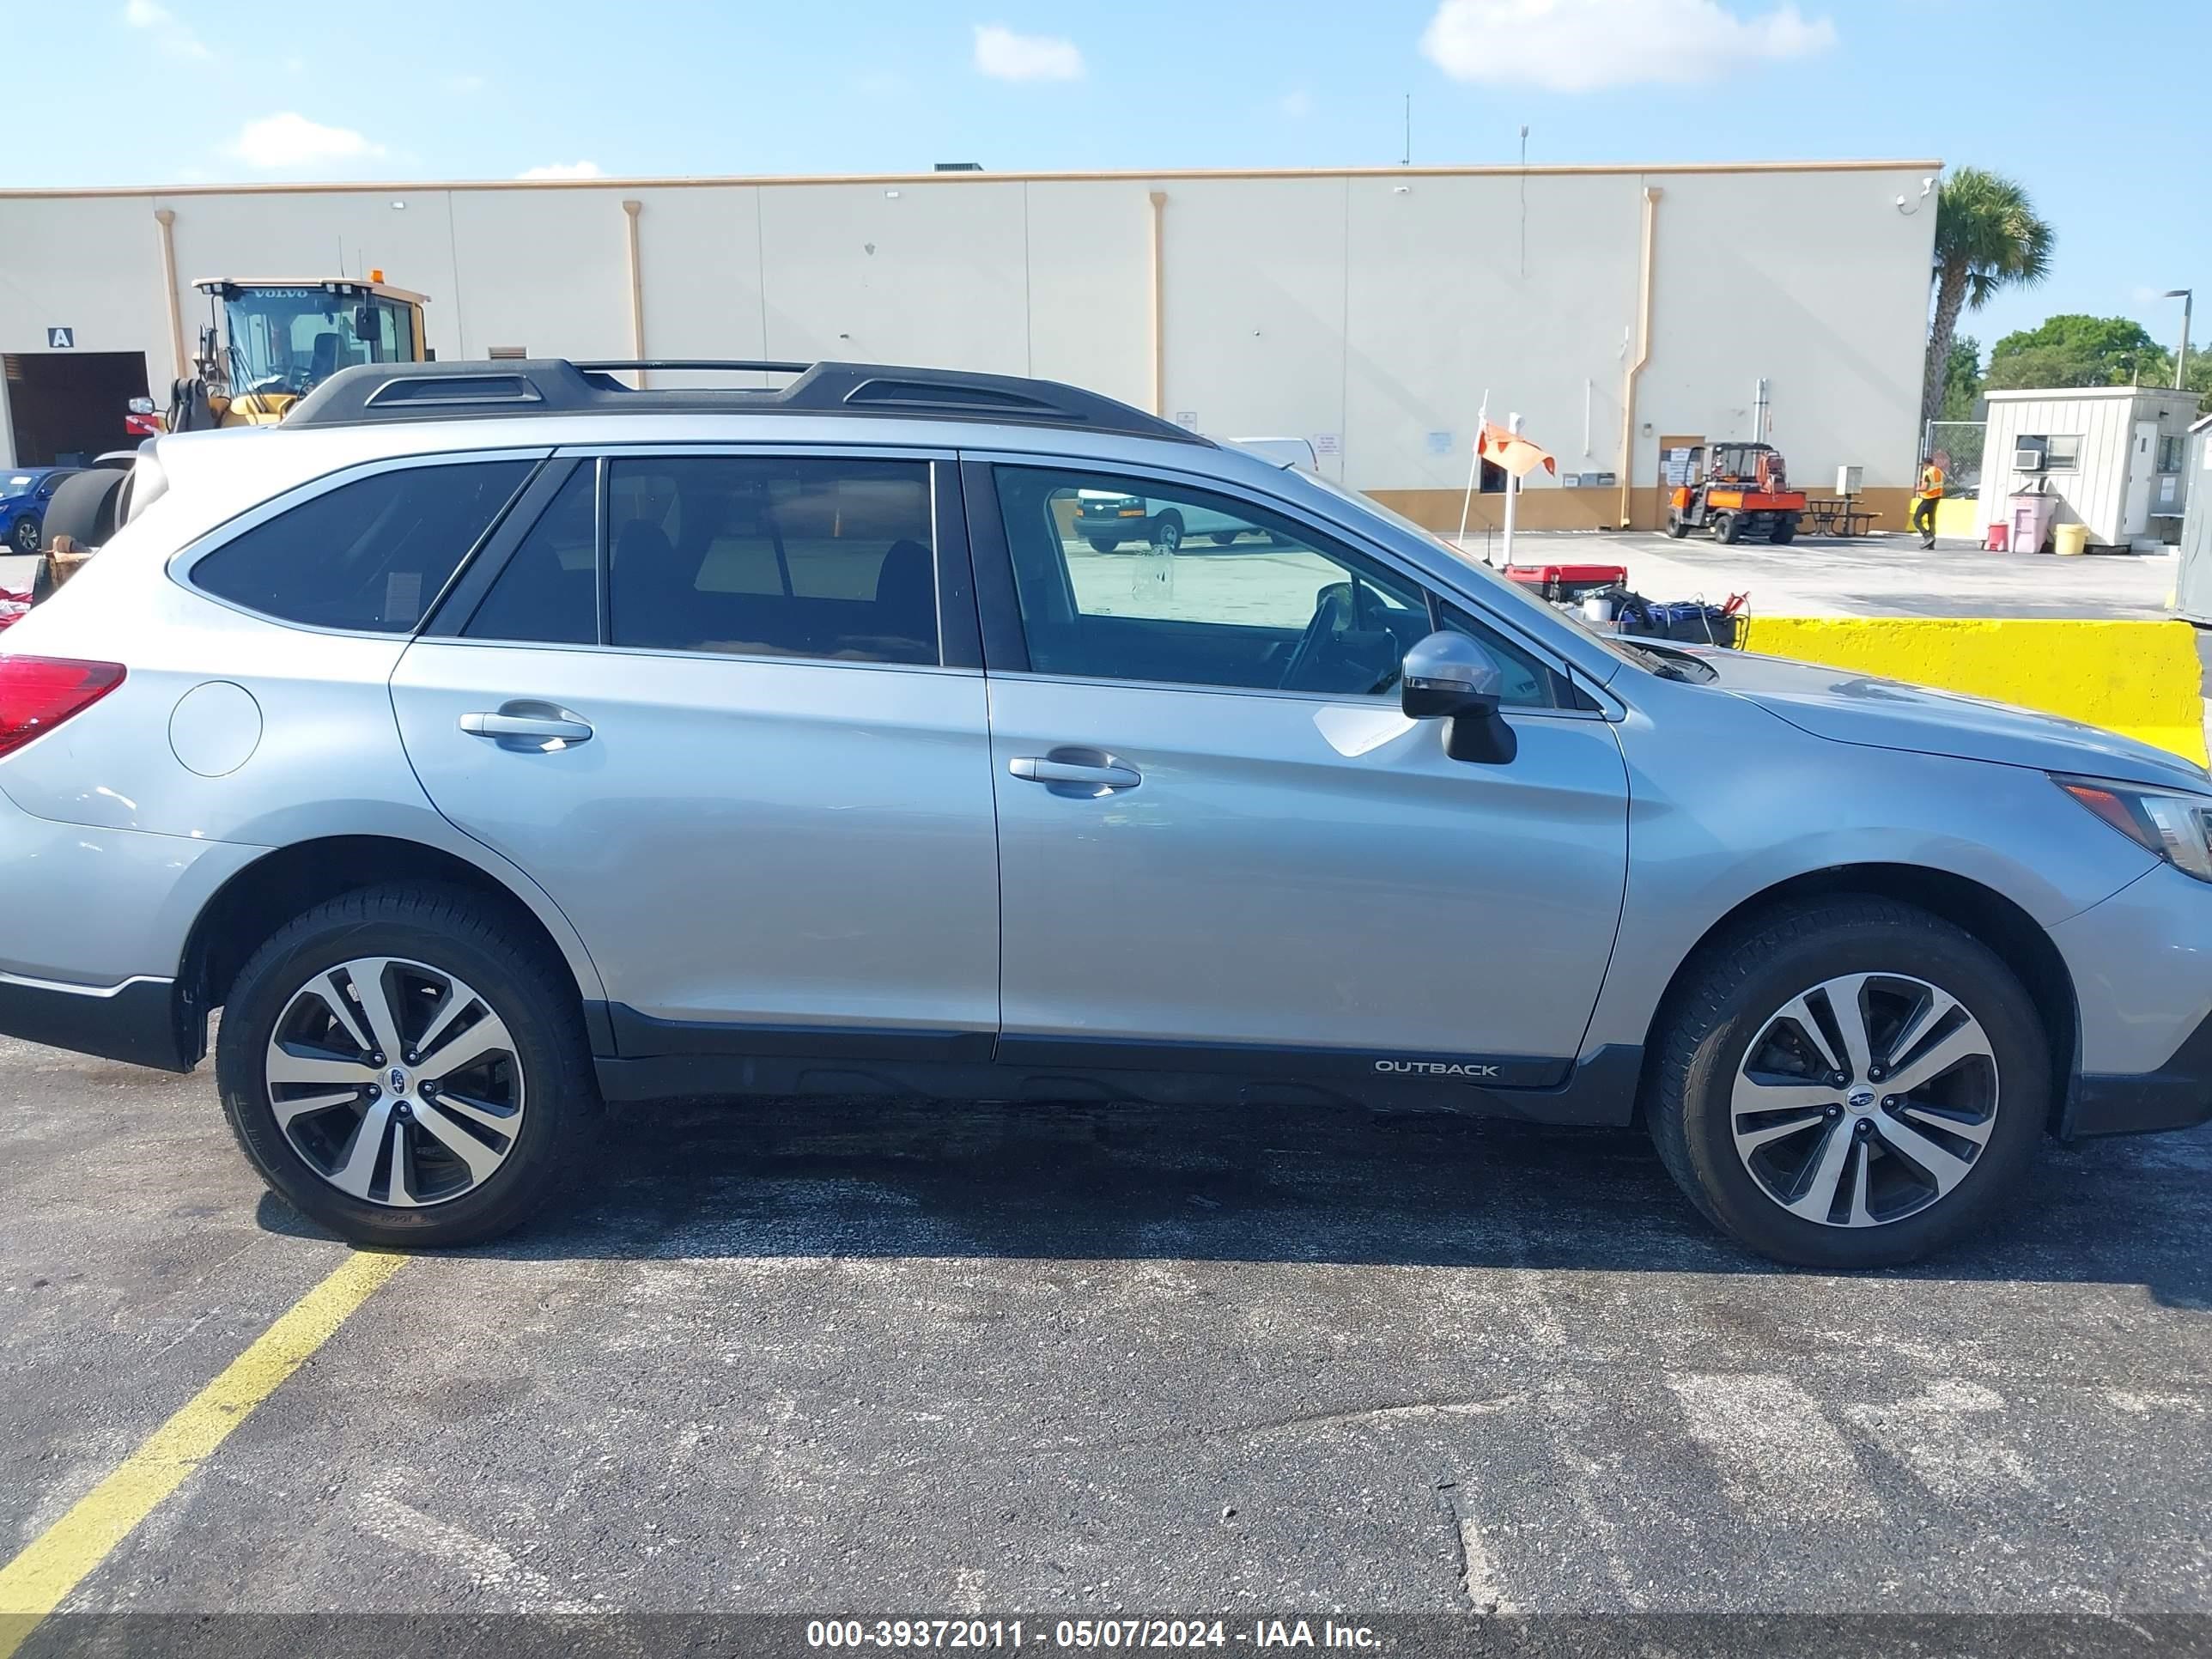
x,y
37,694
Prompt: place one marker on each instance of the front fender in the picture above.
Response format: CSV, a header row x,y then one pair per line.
x,y
1727,801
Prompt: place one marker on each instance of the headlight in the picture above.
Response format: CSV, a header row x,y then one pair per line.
x,y
2178,828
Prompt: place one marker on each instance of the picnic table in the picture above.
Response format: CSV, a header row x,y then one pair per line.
x,y
1837,515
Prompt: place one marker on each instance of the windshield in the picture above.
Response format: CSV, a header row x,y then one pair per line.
x,y
1672,665
17,483
291,339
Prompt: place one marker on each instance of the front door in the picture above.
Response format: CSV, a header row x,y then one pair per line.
x,y
2143,468
702,704
1219,839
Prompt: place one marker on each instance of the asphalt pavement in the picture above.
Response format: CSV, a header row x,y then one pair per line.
x,y
1867,576
828,1356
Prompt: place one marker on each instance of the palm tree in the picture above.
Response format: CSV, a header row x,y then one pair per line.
x,y
1987,237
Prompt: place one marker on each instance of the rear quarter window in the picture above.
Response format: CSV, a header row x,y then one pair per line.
x,y
368,556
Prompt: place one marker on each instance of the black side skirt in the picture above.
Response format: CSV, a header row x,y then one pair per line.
x,y
654,1060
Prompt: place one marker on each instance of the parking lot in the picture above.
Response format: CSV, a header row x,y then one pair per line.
x,y
853,1357
1873,576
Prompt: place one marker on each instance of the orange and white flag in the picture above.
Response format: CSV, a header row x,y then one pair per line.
x,y
1517,454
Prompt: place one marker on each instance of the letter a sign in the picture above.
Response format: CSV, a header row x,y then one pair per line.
x,y
61,339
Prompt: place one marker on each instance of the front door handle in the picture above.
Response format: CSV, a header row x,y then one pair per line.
x,y
527,725
1082,773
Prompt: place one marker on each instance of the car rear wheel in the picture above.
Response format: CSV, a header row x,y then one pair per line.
x,y
1728,527
1848,1083
1785,532
402,1072
26,535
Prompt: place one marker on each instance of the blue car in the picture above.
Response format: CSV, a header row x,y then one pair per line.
x,y
24,494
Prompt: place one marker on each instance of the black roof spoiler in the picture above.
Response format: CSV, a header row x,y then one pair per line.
x,y
554,386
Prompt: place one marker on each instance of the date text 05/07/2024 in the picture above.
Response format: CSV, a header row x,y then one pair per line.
x,y
1086,1634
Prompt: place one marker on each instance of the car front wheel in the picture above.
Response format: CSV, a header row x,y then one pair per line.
x,y
1850,1083
402,1072
26,535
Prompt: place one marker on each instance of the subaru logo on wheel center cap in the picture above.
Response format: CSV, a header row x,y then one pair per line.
x,y
1860,1099
397,1079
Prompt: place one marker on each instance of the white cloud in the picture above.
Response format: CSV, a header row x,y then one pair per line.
x,y
1006,56
1297,104
291,140
161,23
563,170
1581,45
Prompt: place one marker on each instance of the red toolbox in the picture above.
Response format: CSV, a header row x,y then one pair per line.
x,y
1567,581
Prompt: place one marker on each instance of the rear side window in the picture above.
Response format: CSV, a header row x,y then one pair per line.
x,y
773,555
370,555
549,594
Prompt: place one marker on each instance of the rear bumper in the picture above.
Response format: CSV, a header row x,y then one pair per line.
x,y
92,927
142,1022
1115,529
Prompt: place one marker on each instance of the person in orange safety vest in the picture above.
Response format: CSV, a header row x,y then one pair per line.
x,y
1924,500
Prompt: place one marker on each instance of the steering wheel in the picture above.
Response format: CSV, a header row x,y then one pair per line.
x,y
1337,610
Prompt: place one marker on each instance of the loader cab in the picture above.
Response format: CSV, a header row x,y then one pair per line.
x,y
268,344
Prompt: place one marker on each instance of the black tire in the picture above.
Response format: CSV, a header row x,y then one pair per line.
x,y
1223,537
1726,997
1167,532
26,535
1677,526
1100,543
1784,531
454,930
84,507
1728,527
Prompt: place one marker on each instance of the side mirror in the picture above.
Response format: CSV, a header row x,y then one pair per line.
x,y
1450,676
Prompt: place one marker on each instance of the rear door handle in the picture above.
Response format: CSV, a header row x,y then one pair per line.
x,y
528,726
1076,772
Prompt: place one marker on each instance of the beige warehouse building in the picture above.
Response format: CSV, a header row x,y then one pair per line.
x,y
1623,312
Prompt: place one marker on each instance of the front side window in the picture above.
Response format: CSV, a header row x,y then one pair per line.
x,y
370,555
773,555
1129,578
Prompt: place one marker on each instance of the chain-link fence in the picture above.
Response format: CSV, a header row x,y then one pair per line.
x,y
1957,447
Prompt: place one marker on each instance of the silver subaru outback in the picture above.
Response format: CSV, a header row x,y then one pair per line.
x,y
489,741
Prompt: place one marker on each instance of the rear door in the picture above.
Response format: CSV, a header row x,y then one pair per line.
x,y
727,710
1221,845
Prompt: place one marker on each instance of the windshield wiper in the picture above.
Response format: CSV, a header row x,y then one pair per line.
x,y
1672,665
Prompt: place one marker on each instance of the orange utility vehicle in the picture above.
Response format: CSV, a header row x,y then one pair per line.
x,y
1744,491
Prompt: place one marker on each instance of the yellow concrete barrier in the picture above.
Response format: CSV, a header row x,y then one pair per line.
x,y
2140,679
1959,516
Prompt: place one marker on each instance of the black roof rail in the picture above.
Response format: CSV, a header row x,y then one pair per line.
x,y
554,386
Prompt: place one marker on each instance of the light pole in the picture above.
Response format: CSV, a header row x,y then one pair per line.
x,y
2181,363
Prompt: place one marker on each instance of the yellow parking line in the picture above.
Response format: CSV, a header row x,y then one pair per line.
x,y
56,1562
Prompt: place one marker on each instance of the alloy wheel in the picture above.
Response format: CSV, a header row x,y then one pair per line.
x,y
396,1082
1864,1099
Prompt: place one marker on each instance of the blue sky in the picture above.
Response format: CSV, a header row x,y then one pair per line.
x,y
172,91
